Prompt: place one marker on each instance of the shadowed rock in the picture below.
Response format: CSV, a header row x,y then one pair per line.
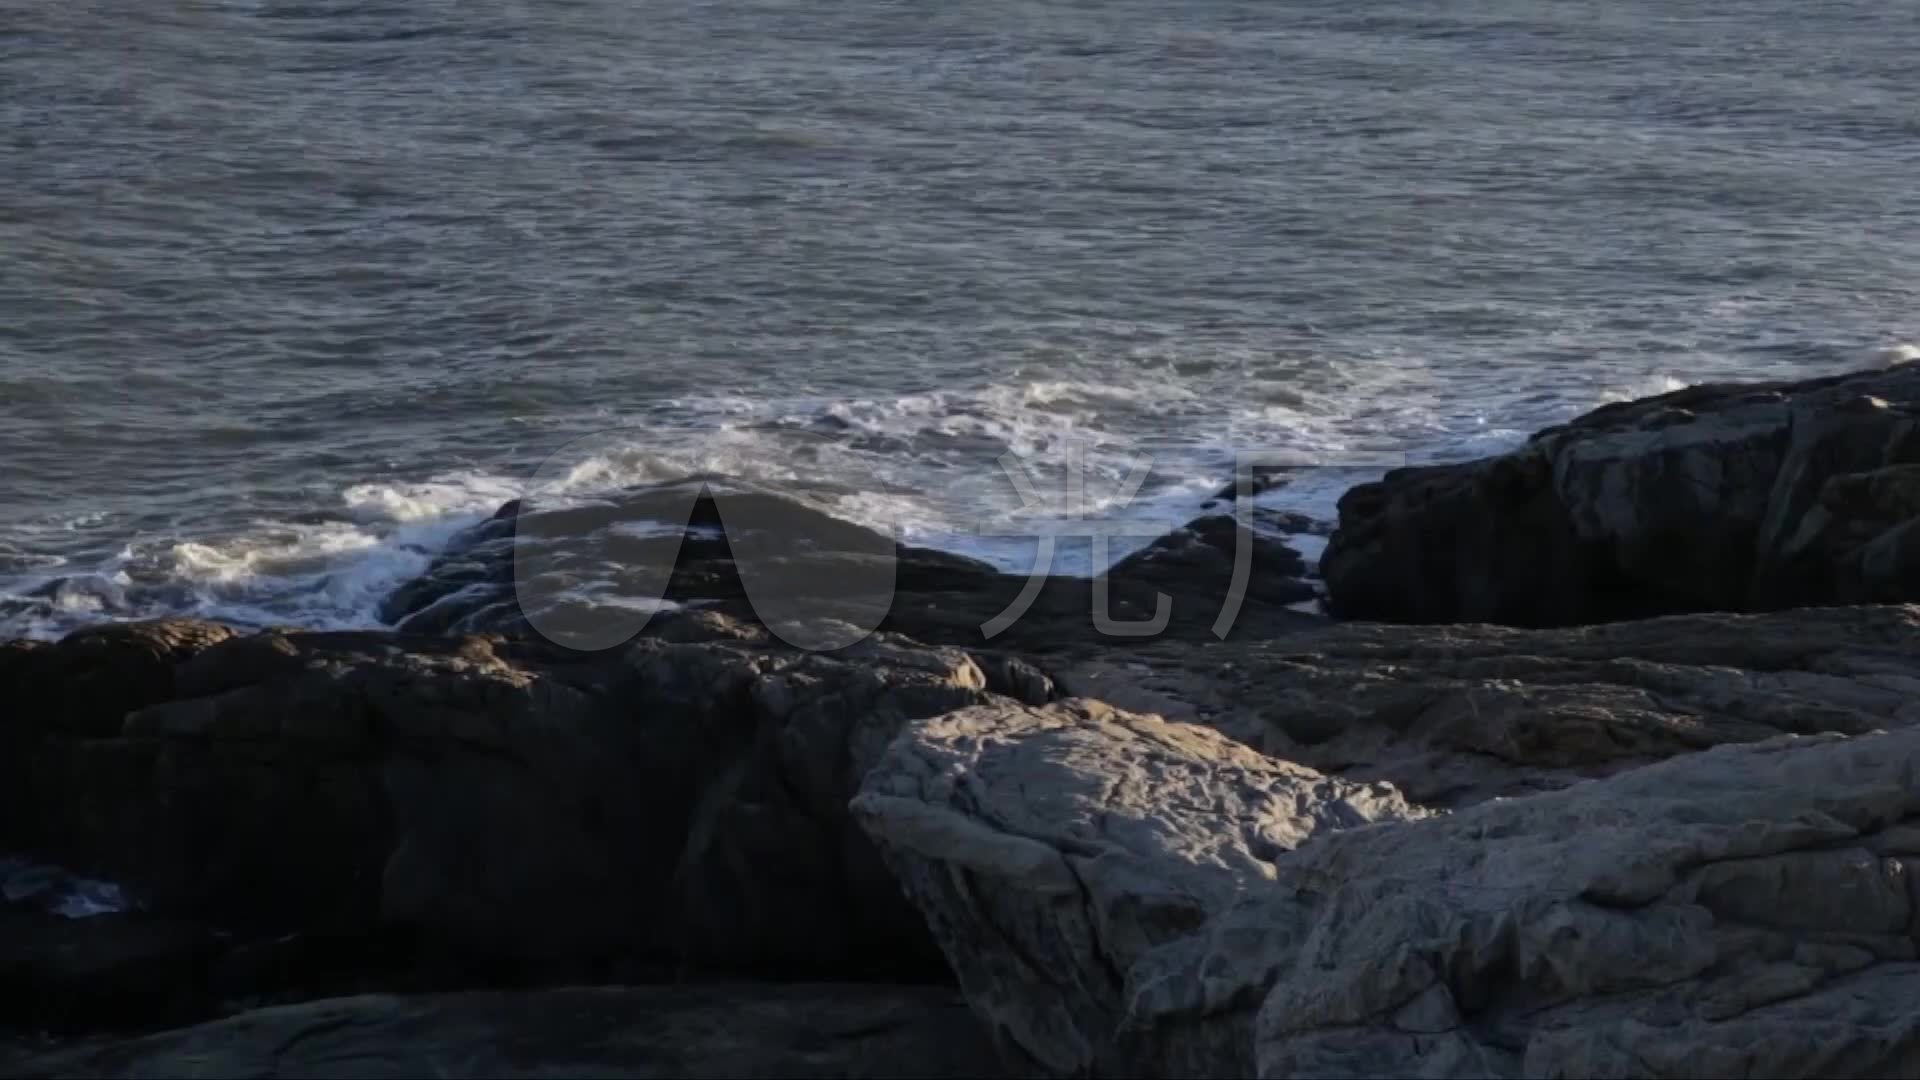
x,y
1734,497
762,556
665,1031
1672,847
1454,715
498,809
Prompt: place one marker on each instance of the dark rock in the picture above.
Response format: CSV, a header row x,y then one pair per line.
x,y
70,975
1714,498
513,810
1457,715
584,575
89,682
1290,522
132,970
1198,559
663,1031
683,543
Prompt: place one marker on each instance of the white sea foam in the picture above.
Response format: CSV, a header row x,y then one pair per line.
x,y
935,468
325,574
51,889
1901,352
1651,386
451,495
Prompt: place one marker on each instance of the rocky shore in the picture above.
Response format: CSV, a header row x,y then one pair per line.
x,y
1606,766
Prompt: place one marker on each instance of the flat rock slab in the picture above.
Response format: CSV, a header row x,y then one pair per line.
x,y
1454,715
663,1031
1748,911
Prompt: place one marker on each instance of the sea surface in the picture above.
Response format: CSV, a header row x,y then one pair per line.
x,y
292,291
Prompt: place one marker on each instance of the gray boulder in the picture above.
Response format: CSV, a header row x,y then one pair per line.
x,y
1127,896
1748,911
1734,497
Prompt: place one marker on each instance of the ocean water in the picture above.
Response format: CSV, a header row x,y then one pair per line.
x,y
292,291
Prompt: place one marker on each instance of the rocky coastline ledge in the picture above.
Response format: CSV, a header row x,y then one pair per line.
x,y
1606,766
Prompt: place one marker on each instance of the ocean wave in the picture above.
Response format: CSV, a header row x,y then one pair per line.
x,y
1900,352
977,470
321,575
1650,386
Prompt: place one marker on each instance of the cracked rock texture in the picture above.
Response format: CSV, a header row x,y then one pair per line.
x,y
1123,895
1052,849
1744,911
1731,497
1454,715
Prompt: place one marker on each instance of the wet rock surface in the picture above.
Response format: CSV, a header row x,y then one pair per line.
x,y
1732,497
590,572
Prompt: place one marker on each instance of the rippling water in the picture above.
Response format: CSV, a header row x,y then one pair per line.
x,y
292,290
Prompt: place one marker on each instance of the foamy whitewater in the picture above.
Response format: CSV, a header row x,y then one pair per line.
x,y
332,570
295,293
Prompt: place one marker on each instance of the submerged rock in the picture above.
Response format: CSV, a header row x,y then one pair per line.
x,y
1735,497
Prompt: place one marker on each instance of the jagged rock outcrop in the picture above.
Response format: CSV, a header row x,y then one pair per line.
x,y
1053,849
664,1031
1126,896
590,571
1729,497
1659,848
89,682
1454,715
507,809
1743,911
